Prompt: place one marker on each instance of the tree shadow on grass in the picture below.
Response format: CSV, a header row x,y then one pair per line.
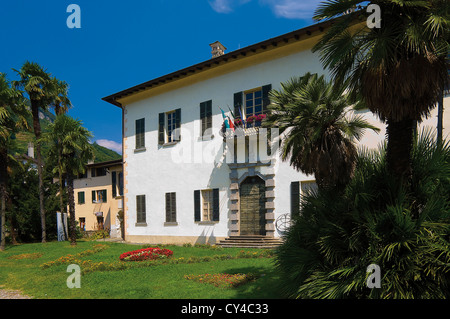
x,y
265,286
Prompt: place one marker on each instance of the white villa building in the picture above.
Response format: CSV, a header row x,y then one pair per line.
x,y
201,187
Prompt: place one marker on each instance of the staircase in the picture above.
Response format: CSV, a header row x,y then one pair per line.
x,y
254,241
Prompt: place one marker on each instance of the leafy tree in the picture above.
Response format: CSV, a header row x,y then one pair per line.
x,y
320,131
337,236
13,116
399,69
23,203
43,92
68,139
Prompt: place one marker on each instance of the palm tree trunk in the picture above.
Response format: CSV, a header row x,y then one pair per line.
x,y
61,192
400,140
37,134
3,184
71,196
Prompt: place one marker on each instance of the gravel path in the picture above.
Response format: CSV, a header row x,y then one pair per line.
x,y
12,294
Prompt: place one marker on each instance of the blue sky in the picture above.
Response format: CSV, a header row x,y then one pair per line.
x,y
123,43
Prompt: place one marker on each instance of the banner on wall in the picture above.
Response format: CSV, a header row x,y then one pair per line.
x,y
62,226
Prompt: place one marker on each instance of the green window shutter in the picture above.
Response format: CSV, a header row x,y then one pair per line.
x,y
197,206
206,116
174,207
140,133
138,206
171,213
216,204
93,170
209,114
93,196
177,125
121,183
238,104
161,128
81,198
104,198
168,209
265,95
203,117
140,209
114,184
202,110
295,198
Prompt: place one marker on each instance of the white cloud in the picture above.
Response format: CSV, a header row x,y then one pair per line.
x,y
289,9
293,9
111,145
226,6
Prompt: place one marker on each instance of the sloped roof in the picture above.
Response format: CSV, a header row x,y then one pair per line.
x,y
297,35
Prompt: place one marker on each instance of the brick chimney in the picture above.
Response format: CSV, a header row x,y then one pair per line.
x,y
217,49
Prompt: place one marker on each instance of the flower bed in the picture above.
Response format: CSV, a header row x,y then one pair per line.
x,y
26,256
151,253
74,259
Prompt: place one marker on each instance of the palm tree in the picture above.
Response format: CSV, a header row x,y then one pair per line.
x,y
13,116
61,104
398,69
69,141
43,91
319,129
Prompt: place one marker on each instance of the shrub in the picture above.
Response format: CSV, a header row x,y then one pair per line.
x,y
99,234
404,230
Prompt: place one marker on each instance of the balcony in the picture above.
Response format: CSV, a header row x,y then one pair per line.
x,y
251,126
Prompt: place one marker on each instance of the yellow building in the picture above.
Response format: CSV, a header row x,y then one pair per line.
x,y
99,197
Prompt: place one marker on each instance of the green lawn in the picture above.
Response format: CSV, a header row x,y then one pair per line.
x,y
160,279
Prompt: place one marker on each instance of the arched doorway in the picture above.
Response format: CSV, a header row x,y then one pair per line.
x,y
252,206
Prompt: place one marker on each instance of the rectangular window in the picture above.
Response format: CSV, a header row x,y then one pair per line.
x,y
82,221
169,127
299,189
253,102
171,208
99,171
114,184
206,205
100,223
140,209
206,117
140,133
99,196
308,187
81,198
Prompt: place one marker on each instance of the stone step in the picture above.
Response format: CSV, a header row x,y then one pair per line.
x,y
251,242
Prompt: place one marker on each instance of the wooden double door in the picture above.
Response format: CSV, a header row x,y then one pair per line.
x,y
253,206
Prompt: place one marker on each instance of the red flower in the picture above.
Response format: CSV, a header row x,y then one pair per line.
x,y
151,253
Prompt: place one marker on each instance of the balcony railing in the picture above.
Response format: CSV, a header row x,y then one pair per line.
x,y
251,126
